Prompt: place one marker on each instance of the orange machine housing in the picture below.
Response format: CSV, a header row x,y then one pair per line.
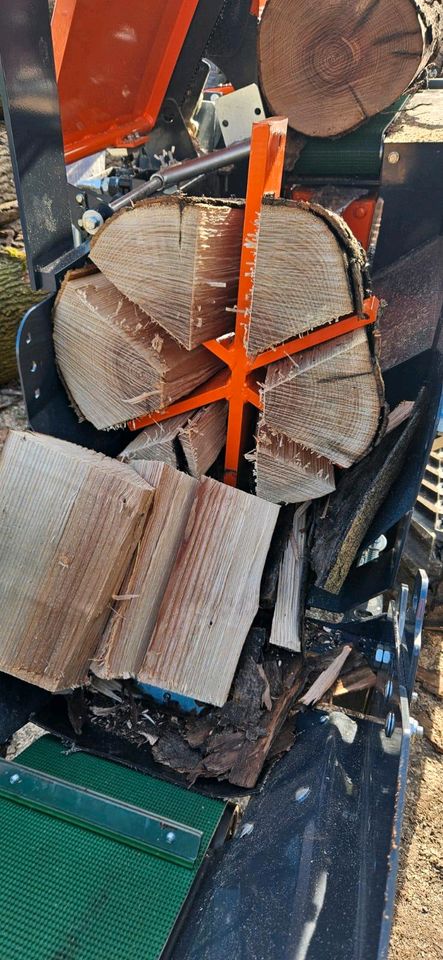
x,y
113,63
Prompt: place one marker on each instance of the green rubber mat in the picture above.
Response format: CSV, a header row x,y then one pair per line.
x,y
357,154
69,894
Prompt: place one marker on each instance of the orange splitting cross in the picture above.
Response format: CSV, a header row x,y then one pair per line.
x,y
238,383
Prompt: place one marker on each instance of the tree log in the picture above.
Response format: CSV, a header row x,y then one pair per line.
x,y
16,297
329,66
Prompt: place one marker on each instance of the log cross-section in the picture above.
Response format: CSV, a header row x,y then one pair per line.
x,y
177,258
329,66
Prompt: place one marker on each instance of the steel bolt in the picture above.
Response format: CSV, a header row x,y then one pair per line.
x,y
393,156
170,836
359,213
92,221
15,778
389,689
79,197
414,696
379,655
390,724
415,727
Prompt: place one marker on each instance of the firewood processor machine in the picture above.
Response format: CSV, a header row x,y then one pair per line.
x,y
102,857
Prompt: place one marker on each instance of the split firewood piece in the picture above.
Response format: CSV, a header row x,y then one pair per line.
x,y
129,630
286,621
329,399
212,594
399,414
339,532
178,258
362,678
329,67
202,438
286,472
70,520
308,273
115,362
157,442
192,441
327,678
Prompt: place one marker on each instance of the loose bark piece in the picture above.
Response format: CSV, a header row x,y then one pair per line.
x,y
328,67
399,414
286,472
116,363
157,442
202,438
285,631
212,594
251,757
130,628
329,399
69,522
327,678
178,258
353,506
308,272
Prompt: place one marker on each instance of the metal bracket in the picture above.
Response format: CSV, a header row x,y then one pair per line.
x,y
236,112
100,814
412,627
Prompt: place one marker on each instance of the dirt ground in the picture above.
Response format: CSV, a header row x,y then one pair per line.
x,y
418,923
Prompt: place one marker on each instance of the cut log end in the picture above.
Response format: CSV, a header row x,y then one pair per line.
x,y
178,258
115,362
328,66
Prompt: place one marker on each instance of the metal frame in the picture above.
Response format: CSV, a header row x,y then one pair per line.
x,y
101,814
31,110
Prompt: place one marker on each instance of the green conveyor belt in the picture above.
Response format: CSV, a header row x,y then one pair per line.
x,y
67,893
357,154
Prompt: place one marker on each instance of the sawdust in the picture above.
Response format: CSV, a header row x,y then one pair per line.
x,y
418,923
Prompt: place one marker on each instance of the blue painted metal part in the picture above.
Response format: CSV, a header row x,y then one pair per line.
x,y
187,704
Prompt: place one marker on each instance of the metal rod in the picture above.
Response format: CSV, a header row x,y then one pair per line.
x,y
171,176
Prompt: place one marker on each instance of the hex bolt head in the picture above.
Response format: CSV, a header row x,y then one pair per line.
x,y
379,655
390,724
414,696
170,836
393,156
15,778
92,220
415,728
79,197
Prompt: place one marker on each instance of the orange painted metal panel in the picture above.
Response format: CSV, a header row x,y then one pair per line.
x,y
114,61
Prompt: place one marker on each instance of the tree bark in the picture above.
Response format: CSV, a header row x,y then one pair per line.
x,y
329,66
16,297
